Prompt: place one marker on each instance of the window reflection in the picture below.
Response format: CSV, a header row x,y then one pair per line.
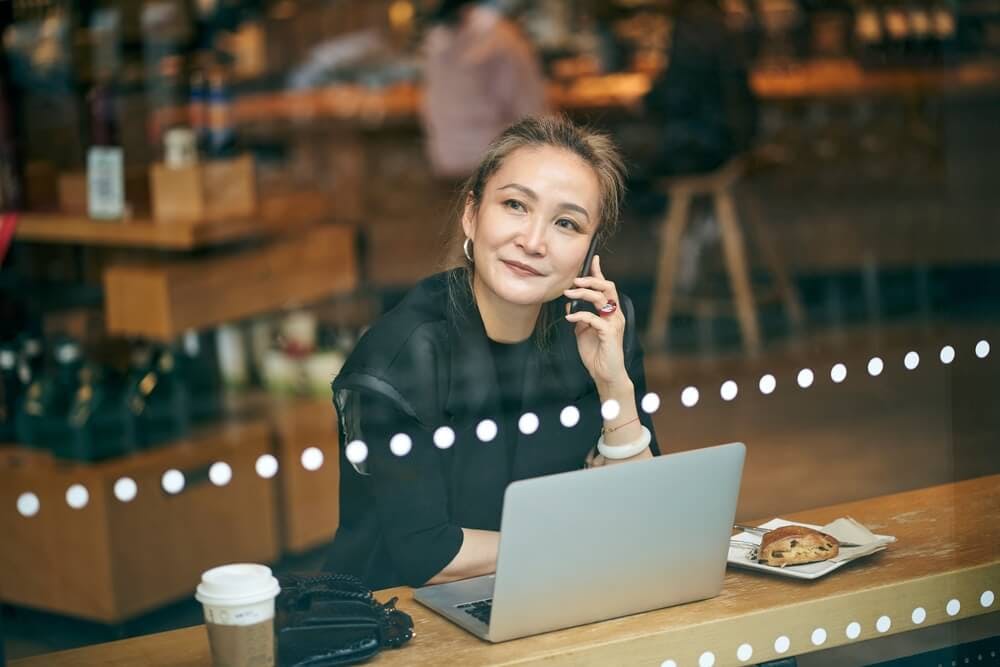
x,y
215,216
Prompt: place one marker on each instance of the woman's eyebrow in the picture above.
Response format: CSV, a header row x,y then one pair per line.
x,y
528,192
575,207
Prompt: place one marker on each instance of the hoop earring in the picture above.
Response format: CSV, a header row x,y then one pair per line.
x,y
465,247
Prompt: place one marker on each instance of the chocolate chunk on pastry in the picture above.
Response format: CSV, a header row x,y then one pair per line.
x,y
796,545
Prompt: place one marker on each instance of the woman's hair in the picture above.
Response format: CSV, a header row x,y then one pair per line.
x,y
557,131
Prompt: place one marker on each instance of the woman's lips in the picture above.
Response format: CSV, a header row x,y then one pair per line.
x,y
522,269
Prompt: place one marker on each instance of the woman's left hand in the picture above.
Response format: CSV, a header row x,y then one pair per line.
x,y
599,339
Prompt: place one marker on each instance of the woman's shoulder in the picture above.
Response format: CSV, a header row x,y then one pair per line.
x,y
421,314
405,348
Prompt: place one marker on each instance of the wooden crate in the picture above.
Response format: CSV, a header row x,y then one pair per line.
x,y
204,192
161,300
113,560
310,500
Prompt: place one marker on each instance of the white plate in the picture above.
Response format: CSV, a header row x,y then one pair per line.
x,y
738,555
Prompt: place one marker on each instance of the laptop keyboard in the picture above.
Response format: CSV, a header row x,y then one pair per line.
x,y
480,609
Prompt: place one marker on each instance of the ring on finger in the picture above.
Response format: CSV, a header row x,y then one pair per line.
x,y
608,309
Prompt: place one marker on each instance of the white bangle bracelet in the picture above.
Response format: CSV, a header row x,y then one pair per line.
x,y
627,450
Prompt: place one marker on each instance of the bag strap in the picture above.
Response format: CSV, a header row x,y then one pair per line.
x,y
395,625
295,587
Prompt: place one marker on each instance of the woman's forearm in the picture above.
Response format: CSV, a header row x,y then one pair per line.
x,y
624,428
478,556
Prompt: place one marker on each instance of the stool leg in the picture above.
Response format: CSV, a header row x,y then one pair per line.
x,y
736,263
670,244
785,286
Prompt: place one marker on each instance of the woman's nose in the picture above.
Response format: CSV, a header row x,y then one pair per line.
x,y
532,238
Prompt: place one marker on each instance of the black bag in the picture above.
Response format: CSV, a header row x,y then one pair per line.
x,y
333,619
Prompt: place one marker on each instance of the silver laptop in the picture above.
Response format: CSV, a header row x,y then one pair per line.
x,y
589,545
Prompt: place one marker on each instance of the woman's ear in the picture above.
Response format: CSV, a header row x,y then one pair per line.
x,y
469,217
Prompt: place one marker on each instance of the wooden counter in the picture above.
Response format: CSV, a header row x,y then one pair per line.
x,y
110,561
835,78
947,550
820,79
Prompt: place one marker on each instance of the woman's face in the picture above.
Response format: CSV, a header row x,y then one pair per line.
x,y
534,224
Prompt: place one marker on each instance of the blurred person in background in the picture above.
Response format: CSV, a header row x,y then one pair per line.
x,y
481,74
699,113
700,110
702,102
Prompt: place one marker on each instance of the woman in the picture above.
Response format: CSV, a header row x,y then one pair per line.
x,y
437,388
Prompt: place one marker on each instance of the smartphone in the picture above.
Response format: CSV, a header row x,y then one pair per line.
x,y
577,305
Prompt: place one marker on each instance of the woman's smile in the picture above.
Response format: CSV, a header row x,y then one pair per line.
x,y
522,270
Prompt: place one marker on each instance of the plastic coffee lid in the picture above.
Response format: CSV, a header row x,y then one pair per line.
x,y
237,584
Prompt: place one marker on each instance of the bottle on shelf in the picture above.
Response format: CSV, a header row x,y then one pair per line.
x,y
869,35
231,349
42,421
101,425
10,391
944,30
31,359
921,42
11,175
198,368
165,93
105,158
198,108
221,125
157,398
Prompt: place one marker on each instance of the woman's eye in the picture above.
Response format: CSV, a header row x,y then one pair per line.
x,y
514,205
566,223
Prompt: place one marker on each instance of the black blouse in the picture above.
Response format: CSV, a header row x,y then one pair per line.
x,y
428,364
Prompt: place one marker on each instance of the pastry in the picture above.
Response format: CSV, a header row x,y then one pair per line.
x,y
796,545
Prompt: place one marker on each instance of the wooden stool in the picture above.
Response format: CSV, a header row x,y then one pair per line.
x,y
718,185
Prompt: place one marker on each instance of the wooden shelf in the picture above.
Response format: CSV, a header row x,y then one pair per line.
x,y
278,213
56,228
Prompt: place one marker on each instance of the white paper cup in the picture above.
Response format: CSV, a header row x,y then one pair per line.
x,y
238,600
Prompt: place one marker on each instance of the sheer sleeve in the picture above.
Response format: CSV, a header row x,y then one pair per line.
x,y
410,492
